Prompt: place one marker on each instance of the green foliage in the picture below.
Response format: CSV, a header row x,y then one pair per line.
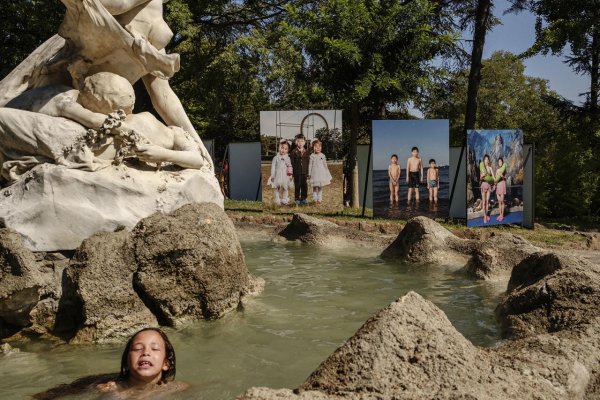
x,y
26,25
508,99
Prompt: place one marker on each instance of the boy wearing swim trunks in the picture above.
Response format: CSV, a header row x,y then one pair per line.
x,y
433,181
414,174
394,175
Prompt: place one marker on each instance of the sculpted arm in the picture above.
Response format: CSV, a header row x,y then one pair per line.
x,y
169,107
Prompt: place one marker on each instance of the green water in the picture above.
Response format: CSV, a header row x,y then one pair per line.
x,y
313,301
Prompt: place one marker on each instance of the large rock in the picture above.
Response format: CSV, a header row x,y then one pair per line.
x,y
319,232
172,268
190,264
410,350
56,208
29,288
100,294
550,292
425,241
309,229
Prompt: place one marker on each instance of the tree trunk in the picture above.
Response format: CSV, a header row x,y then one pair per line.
x,y
595,75
352,167
481,21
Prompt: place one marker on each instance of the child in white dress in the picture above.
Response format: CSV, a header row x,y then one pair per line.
x,y
318,172
281,174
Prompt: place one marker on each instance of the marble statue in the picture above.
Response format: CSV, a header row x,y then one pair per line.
x,y
67,118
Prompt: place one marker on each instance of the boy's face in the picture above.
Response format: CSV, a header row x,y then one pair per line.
x,y
394,160
300,143
432,164
283,149
415,153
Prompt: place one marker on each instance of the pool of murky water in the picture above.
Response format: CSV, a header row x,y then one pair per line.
x,y
313,301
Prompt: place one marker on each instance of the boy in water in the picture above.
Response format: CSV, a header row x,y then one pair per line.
x,y
394,175
300,161
414,166
433,181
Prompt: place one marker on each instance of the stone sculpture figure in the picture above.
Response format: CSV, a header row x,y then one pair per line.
x,y
67,123
125,37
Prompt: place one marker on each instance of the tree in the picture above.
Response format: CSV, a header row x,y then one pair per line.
x,y
26,25
508,99
573,24
365,56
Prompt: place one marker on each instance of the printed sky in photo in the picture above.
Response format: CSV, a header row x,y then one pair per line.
x,y
399,136
286,124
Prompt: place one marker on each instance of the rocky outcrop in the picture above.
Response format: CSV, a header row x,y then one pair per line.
x,y
410,350
170,269
425,241
320,232
56,208
549,292
29,286
308,229
100,291
197,255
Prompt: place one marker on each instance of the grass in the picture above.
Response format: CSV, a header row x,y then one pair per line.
x,y
544,235
333,194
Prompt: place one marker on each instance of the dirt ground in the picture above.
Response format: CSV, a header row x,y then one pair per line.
x,y
333,194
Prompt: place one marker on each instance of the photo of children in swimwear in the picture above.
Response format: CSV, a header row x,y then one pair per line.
x,y
422,187
495,169
316,155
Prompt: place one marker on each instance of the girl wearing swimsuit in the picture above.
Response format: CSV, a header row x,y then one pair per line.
x,y
486,176
500,187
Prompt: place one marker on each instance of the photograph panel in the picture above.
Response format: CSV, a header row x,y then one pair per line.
x,y
411,168
302,163
495,176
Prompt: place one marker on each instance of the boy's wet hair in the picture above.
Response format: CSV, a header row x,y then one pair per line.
x,y
166,376
394,156
414,148
432,161
299,136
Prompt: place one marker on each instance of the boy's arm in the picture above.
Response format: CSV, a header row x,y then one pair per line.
x,y
421,165
407,169
390,171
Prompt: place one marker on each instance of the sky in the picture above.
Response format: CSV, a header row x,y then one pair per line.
x,y
398,137
286,124
516,34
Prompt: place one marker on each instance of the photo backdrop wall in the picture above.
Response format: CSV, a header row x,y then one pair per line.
x,y
495,177
397,138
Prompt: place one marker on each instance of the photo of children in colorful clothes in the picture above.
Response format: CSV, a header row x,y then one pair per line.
x,y
410,168
303,171
495,172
